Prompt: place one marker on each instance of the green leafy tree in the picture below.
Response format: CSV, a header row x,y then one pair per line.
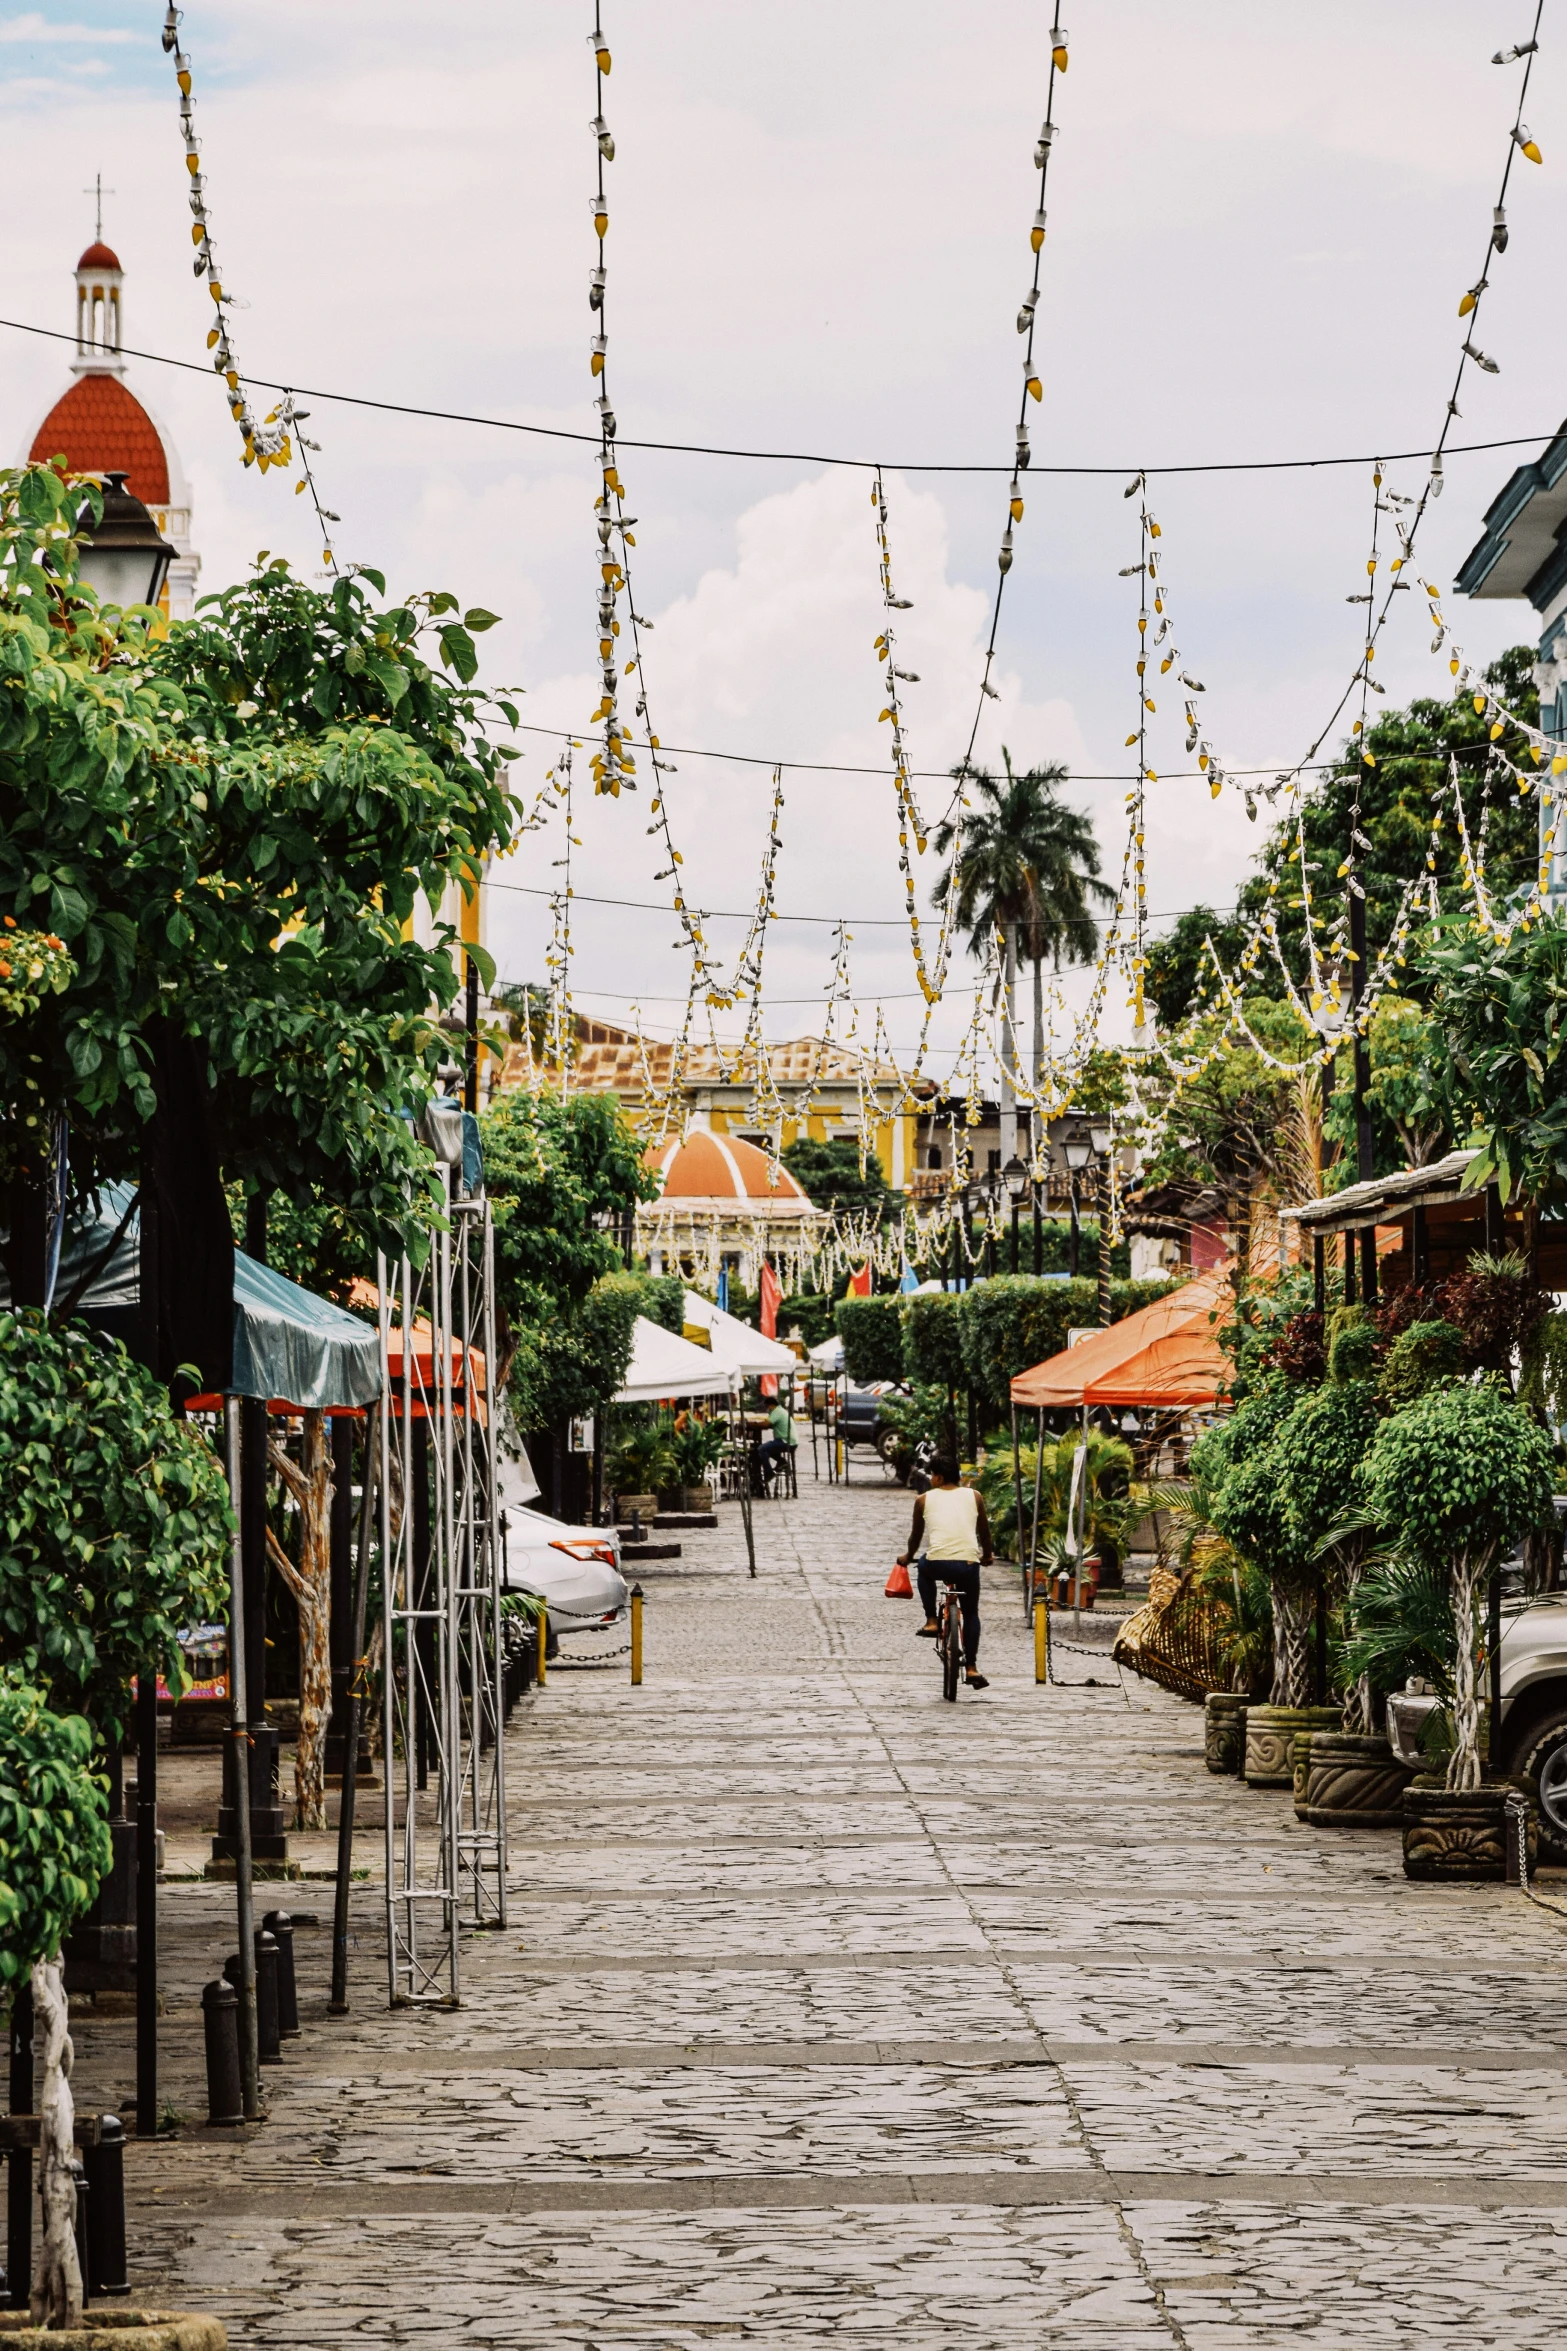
x,y
553,1170
1455,1479
831,1177
569,1363
1177,962
1320,1450
229,828
1026,864
933,1339
1398,798
114,1520
54,1851
1497,1014
1237,1464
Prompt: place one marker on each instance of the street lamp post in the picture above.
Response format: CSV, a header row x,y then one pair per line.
x,y
124,558
1014,1177
1078,1151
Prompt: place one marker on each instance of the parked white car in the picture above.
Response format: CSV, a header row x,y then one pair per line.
x,y
574,1570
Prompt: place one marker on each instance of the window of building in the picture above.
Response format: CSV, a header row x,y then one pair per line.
x,y
933,1156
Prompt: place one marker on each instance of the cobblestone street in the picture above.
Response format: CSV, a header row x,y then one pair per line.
x,y
828,2007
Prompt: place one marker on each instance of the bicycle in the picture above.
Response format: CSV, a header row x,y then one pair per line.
x,y
949,1640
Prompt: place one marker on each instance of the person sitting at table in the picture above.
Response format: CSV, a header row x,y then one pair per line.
x,y
780,1444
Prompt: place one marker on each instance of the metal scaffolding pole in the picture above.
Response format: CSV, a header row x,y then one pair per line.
x,y
444,1732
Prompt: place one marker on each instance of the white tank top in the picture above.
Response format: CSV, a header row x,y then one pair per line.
x,y
952,1523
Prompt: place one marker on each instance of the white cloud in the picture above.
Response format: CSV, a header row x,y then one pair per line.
x,y
34,27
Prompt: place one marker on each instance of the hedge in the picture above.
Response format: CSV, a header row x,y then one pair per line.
x,y
932,1345
1013,1322
871,1331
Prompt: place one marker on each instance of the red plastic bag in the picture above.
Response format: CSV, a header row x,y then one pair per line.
x,y
898,1585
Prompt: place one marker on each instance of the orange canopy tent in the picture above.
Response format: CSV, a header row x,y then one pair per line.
x,y
1166,1356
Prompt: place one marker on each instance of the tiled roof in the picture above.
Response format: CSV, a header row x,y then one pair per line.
x,y
99,427
610,1061
99,256
720,1167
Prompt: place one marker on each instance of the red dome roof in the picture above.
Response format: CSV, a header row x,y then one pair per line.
x,y
99,427
99,257
720,1167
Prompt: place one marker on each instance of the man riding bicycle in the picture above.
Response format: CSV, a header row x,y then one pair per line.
x,y
950,1541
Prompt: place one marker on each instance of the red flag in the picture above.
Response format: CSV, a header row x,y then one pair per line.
x,y
772,1299
860,1281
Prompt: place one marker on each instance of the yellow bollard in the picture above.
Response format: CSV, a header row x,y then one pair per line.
x,y
636,1636
1041,1641
544,1641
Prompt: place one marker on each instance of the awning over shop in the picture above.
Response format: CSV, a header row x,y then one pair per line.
x,y
664,1364
1385,1198
735,1344
1167,1355
289,1345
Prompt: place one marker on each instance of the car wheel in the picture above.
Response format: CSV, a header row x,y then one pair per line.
x,y
1543,1762
887,1446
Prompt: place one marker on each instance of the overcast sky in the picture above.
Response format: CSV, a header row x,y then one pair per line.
x,y
1261,221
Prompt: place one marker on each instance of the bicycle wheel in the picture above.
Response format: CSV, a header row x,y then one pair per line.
x,y
951,1646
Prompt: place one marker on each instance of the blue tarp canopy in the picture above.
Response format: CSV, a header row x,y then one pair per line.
x,y
289,1345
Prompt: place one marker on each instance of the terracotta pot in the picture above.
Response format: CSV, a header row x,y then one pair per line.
x,y
118,2330
1459,1838
1352,1782
1270,1737
643,1505
1224,1729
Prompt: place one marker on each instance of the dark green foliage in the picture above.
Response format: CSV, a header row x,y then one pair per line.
x,y
54,1827
1244,1432
1499,1308
1461,1470
114,1519
829,1174
229,828
1411,748
813,1311
1354,1344
1498,1011
1264,1339
1108,1512
1013,1322
872,1333
1176,961
573,1362
551,1168
663,1300
1025,858
1398,1623
932,1339
1251,1511
1319,1450
1424,1356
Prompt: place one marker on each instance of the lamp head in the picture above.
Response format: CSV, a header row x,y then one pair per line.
x,y
125,559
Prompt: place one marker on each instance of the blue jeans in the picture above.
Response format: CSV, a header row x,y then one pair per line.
x,y
771,1452
964,1574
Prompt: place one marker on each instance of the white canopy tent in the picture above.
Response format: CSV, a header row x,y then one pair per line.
x,y
735,1343
664,1364
829,1355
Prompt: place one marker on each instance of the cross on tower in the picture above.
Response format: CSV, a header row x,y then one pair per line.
x,y
98,192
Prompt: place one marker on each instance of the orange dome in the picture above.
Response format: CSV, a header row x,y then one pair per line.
x,y
721,1167
99,427
99,256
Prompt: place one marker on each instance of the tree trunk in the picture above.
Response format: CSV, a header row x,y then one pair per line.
x,y
310,1483
1468,1582
1293,1630
1009,1048
57,2281
1039,1031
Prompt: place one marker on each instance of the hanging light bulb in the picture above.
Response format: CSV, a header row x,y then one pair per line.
x,y
1015,501
1499,229
600,353
600,211
601,131
1436,492
1471,298
600,49
1036,235
1025,316
1022,448
1521,135
1043,145
1472,351
596,290
1058,41
1031,382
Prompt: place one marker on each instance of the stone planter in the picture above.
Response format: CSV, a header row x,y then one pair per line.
x,y
643,1506
697,1497
1459,1838
1352,1782
118,2330
1224,1729
1270,1737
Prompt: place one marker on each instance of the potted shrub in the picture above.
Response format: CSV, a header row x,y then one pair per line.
x,y
693,1450
1236,1602
1456,1478
639,1467
1249,1512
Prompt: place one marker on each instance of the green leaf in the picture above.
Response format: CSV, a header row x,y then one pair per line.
x,y
477,619
459,651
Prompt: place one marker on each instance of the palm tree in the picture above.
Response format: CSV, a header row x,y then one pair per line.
x,y
1029,864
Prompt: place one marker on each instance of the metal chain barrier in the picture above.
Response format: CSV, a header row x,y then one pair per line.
x,y
1517,1810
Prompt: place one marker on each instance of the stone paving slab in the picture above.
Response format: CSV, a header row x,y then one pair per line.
x,y
824,2008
